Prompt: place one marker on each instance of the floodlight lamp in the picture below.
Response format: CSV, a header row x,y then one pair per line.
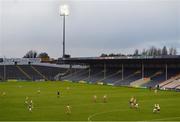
x,y
64,10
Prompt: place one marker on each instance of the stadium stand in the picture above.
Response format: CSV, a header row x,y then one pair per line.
x,y
137,71
128,71
29,69
26,72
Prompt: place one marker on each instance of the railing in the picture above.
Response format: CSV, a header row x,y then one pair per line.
x,y
97,75
140,82
129,76
39,73
156,74
73,74
22,71
109,76
61,74
124,57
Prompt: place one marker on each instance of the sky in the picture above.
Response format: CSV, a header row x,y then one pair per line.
x,y
93,26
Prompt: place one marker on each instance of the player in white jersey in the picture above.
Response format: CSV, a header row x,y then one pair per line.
x,y
156,108
31,103
136,106
30,107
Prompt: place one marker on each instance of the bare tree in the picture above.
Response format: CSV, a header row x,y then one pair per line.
x,y
164,51
136,52
144,52
31,54
103,55
159,52
172,51
175,51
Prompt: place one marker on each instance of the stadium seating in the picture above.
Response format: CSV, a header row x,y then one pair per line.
x,y
47,72
132,76
178,87
33,75
112,76
156,78
12,72
140,82
75,75
152,78
172,83
30,72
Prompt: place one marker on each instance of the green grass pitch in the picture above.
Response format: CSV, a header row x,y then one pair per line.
x,y
80,97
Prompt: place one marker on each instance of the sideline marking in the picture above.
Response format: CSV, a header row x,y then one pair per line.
x,y
99,113
95,114
169,118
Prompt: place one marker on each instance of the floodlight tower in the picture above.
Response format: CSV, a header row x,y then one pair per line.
x,y
64,11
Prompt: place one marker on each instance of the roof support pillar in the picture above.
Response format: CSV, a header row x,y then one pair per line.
x,y
142,70
104,70
122,71
166,72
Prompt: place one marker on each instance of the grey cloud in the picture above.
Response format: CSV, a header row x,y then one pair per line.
x,y
93,27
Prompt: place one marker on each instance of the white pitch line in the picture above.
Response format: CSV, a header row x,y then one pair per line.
x,y
95,114
169,118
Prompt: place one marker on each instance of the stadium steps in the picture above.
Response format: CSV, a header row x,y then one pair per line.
x,y
23,72
173,84
94,77
140,82
89,76
74,76
156,74
144,81
110,76
128,77
71,75
34,75
39,73
81,76
163,84
178,87
59,75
